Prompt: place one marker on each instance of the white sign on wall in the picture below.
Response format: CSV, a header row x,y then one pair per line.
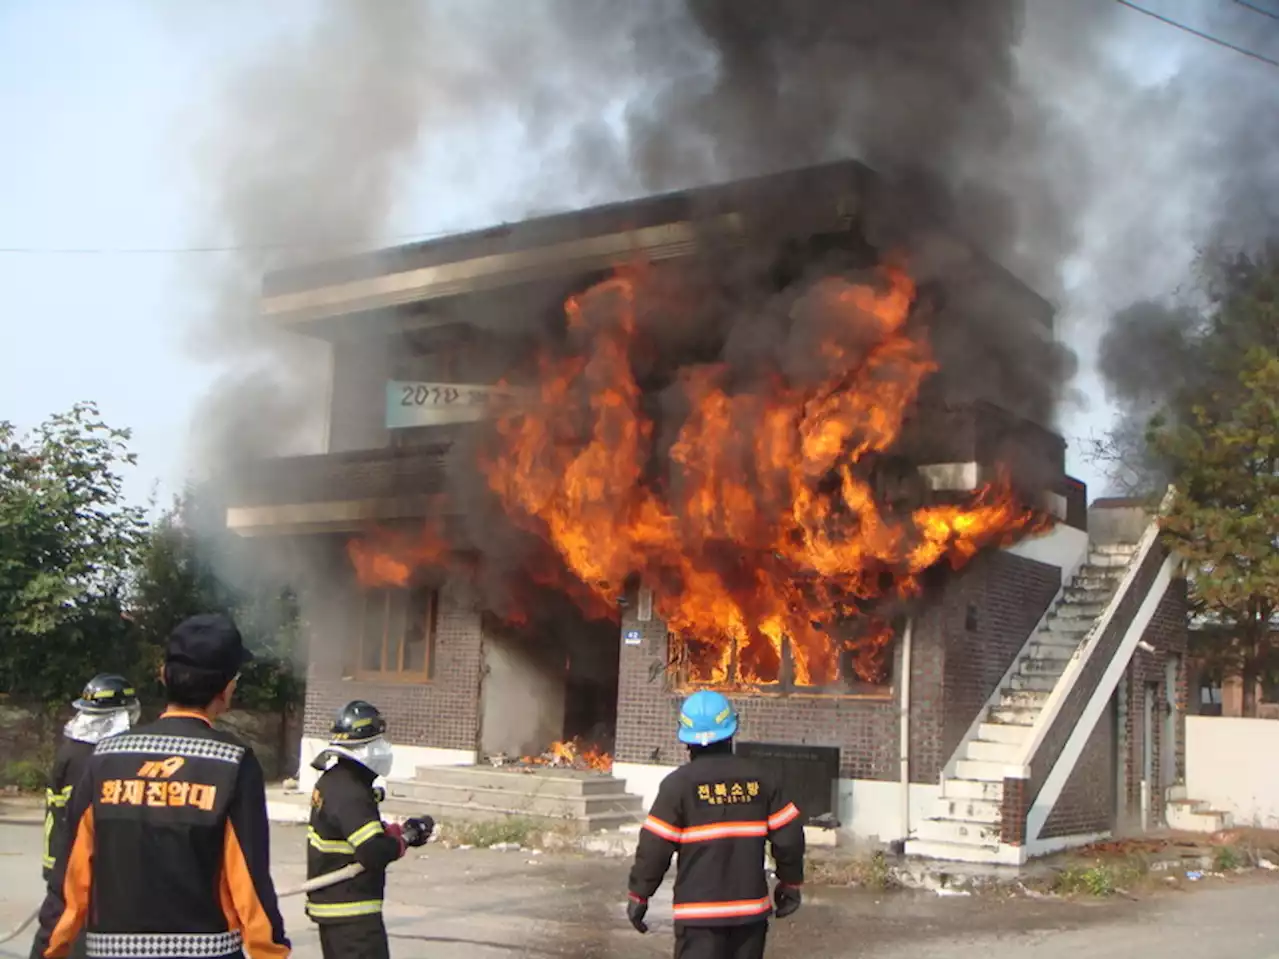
x,y
435,404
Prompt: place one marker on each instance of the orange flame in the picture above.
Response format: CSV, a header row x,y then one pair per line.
x,y
765,541
386,557
572,754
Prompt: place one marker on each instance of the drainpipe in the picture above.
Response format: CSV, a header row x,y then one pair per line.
x,y
904,731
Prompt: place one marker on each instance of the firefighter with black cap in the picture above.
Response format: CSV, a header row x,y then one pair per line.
x,y
107,706
715,813
346,828
168,839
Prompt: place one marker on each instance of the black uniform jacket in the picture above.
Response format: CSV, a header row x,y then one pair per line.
x,y
715,813
168,854
346,827
68,765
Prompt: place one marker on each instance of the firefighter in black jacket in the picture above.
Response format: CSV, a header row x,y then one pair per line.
x,y
107,706
715,813
347,828
168,855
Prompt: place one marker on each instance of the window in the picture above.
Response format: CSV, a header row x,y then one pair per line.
x,y
395,633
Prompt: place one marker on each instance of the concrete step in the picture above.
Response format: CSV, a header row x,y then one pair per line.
x,y
1108,560
958,831
980,770
1074,628
1053,646
970,810
552,805
539,781
1095,582
955,788
1036,683
1022,698
1088,611
958,852
1002,733
1044,665
1003,753
1014,715
1087,594
1194,815
1126,549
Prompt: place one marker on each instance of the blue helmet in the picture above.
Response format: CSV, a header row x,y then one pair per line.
x,y
707,717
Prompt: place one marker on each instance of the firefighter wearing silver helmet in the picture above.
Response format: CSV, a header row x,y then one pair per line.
x,y
347,828
108,705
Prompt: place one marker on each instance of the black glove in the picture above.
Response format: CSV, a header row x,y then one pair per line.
x,y
786,900
418,830
636,908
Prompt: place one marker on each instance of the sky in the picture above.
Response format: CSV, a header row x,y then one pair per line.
x,y
105,108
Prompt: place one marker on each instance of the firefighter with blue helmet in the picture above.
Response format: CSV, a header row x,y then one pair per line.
x,y
715,813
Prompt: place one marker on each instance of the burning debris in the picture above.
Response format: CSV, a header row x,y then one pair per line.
x,y
756,515
573,754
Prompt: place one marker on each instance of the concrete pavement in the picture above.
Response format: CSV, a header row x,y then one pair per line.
x,y
450,904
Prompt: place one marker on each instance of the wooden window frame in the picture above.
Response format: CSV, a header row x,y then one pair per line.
x,y
397,674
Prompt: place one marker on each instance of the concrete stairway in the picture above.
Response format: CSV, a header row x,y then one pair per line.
x,y
590,800
966,824
1193,815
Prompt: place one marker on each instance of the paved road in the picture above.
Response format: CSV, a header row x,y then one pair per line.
x,y
495,905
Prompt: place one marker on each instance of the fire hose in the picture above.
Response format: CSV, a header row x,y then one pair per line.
x,y
311,885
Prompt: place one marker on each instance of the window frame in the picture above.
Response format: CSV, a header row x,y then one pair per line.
x,y
430,600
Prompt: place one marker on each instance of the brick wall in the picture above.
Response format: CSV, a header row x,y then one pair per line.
x,y
1009,593
1088,800
1167,632
443,712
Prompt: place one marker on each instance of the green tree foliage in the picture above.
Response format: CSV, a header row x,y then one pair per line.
x,y
1218,440
190,564
67,543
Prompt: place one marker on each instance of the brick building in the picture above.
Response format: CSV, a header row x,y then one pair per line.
x,y
1024,708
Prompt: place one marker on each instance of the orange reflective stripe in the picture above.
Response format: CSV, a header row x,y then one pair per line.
x,y
662,829
720,910
783,816
75,888
725,830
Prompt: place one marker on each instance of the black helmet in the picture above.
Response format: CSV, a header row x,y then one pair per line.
x,y
357,722
105,693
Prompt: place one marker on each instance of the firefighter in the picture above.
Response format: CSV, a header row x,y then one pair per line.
x,y
168,841
715,813
107,706
347,828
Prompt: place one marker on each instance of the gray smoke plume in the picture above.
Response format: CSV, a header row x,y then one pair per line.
x,y
1205,189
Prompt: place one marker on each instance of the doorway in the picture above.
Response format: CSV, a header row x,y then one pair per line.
x,y
1150,699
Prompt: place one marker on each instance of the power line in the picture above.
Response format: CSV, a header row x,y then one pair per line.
x,y
1198,33
233,248
1261,10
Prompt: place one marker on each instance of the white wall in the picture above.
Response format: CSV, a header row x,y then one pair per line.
x,y
866,808
1064,546
1234,765
404,764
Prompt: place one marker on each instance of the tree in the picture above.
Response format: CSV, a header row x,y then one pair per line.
x,y
1218,437
67,541
190,564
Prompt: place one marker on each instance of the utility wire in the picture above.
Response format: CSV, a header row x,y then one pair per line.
x,y
1200,34
1261,10
246,248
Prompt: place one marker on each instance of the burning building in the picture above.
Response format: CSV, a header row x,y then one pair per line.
x,y
788,437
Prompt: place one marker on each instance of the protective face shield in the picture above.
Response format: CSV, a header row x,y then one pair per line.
x,y
374,755
92,727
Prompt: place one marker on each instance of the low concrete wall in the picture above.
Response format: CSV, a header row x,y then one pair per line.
x,y
1234,765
